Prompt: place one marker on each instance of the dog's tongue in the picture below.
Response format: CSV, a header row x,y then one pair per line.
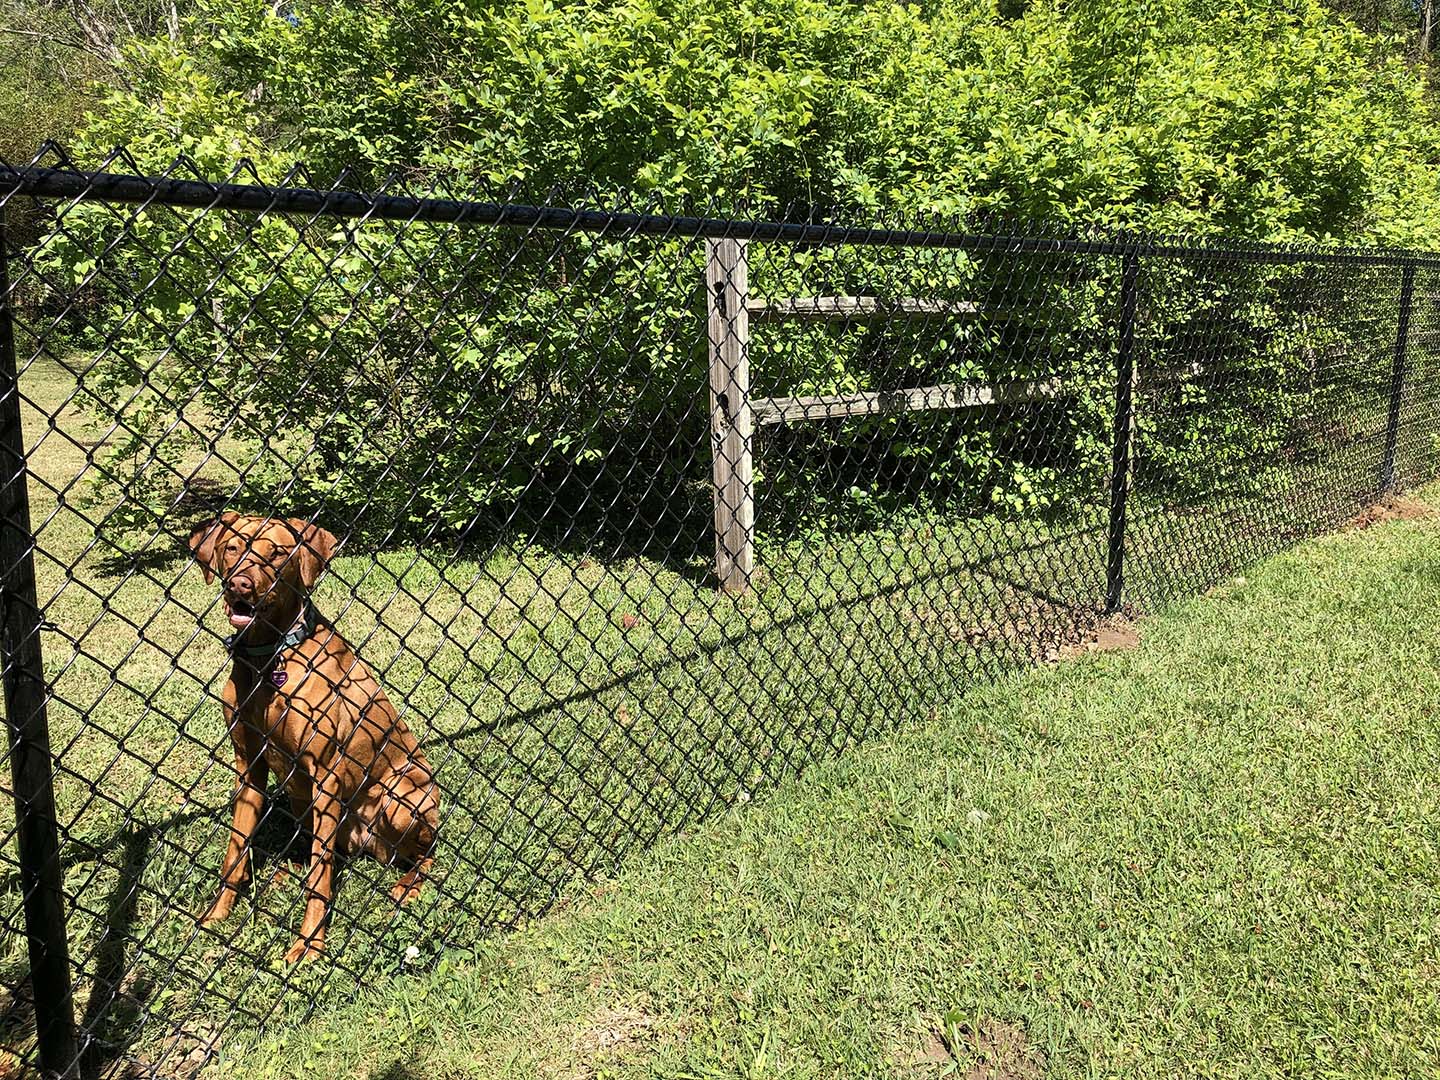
x,y
237,619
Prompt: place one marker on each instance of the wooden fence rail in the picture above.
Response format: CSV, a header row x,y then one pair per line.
x,y
734,413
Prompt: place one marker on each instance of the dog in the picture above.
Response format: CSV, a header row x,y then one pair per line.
x,y
301,703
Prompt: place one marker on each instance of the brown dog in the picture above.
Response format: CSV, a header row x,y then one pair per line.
x,y
300,702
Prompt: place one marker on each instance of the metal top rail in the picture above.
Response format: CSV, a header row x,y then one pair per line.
x,y
45,182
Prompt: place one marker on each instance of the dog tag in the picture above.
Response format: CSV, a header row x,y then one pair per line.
x,y
278,677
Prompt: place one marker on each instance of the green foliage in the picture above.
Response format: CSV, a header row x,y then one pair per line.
x,y
440,388
43,91
33,101
1263,119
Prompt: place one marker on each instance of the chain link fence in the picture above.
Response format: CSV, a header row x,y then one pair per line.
x,y
378,566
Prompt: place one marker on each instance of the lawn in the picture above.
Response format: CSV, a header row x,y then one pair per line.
x,y
1215,855
578,708
575,707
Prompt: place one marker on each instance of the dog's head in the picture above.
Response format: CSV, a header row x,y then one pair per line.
x,y
266,565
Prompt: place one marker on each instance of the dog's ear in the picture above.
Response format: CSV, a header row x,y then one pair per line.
x,y
314,551
205,538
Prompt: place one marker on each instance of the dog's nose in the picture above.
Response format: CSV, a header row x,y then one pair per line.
x,y
240,583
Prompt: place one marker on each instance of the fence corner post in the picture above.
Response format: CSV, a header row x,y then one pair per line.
x,y
1123,432
27,726
1397,378
731,421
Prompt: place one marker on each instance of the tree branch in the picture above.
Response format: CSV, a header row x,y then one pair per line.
x,y
51,39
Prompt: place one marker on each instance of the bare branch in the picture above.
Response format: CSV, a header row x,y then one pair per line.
x,y
53,39
96,31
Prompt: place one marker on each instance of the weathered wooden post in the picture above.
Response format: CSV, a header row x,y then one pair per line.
x,y
731,419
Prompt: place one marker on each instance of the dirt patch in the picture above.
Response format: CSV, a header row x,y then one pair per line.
x,y
608,1033
184,1056
996,1050
1113,633
1391,508
1044,630
932,1051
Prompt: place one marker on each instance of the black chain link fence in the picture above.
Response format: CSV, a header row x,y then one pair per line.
x,y
629,514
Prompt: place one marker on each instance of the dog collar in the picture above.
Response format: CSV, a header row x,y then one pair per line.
x,y
303,628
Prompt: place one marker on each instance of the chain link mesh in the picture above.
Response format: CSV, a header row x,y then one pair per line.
x,y
634,515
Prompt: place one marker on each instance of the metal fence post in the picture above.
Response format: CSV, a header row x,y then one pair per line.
x,y
41,883
1397,378
1123,432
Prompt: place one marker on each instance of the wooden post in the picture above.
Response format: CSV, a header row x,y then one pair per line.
x,y
217,317
731,420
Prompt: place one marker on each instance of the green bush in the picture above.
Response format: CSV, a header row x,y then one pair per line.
x,y
430,377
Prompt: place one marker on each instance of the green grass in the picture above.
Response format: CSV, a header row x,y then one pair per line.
x,y
1213,856
576,709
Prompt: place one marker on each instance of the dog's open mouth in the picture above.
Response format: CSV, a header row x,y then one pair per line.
x,y
241,613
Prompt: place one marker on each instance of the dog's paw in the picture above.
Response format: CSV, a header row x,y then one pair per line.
x,y
220,910
407,889
304,949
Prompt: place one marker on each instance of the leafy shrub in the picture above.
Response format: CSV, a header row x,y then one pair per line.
x,y
432,377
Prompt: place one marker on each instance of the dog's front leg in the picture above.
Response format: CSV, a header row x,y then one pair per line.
x,y
249,804
320,881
